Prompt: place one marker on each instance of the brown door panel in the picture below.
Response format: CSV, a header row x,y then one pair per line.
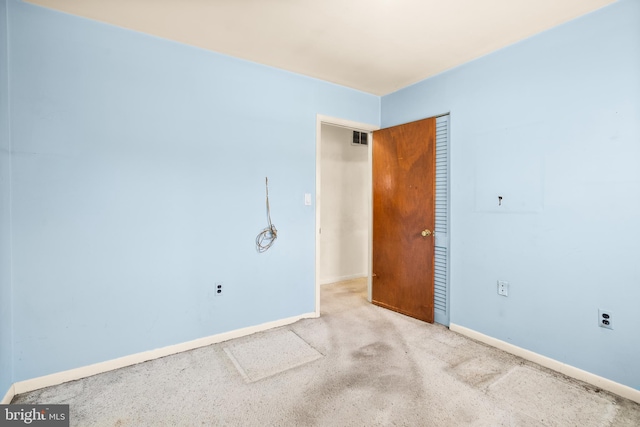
x,y
404,207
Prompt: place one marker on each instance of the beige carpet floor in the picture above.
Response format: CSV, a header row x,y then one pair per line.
x,y
357,365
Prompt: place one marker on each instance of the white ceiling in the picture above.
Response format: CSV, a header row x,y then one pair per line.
x,y
377,46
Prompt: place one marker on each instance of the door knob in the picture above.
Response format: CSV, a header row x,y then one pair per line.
x,y
426,233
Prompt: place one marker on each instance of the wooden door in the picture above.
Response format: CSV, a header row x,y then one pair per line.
x,y
404,218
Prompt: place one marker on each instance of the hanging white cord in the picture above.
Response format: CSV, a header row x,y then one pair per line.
x,y
265,239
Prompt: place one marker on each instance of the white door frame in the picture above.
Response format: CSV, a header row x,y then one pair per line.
x,y
362,127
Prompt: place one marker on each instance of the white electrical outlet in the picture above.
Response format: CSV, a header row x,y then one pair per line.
x,y
503,288
605,319
217,289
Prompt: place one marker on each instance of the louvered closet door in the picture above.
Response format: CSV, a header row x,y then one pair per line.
x,y
441,255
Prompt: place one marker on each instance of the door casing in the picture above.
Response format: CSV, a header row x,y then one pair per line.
x,y
362,127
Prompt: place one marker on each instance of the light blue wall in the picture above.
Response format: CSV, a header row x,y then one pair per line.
x,y
552,124
138,183
5,212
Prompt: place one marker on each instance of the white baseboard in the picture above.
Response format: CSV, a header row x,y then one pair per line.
x,y
9,396
571,371
342,278
121,362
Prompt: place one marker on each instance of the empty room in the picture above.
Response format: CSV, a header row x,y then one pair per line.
x,y
289,213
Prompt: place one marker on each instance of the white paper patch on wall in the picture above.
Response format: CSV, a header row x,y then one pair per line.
x,y
509,170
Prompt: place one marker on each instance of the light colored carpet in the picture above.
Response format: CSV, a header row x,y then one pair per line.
x,y
270,353
550,400
379,368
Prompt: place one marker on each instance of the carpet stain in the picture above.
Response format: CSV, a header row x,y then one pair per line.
x,y
381,372
378,349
